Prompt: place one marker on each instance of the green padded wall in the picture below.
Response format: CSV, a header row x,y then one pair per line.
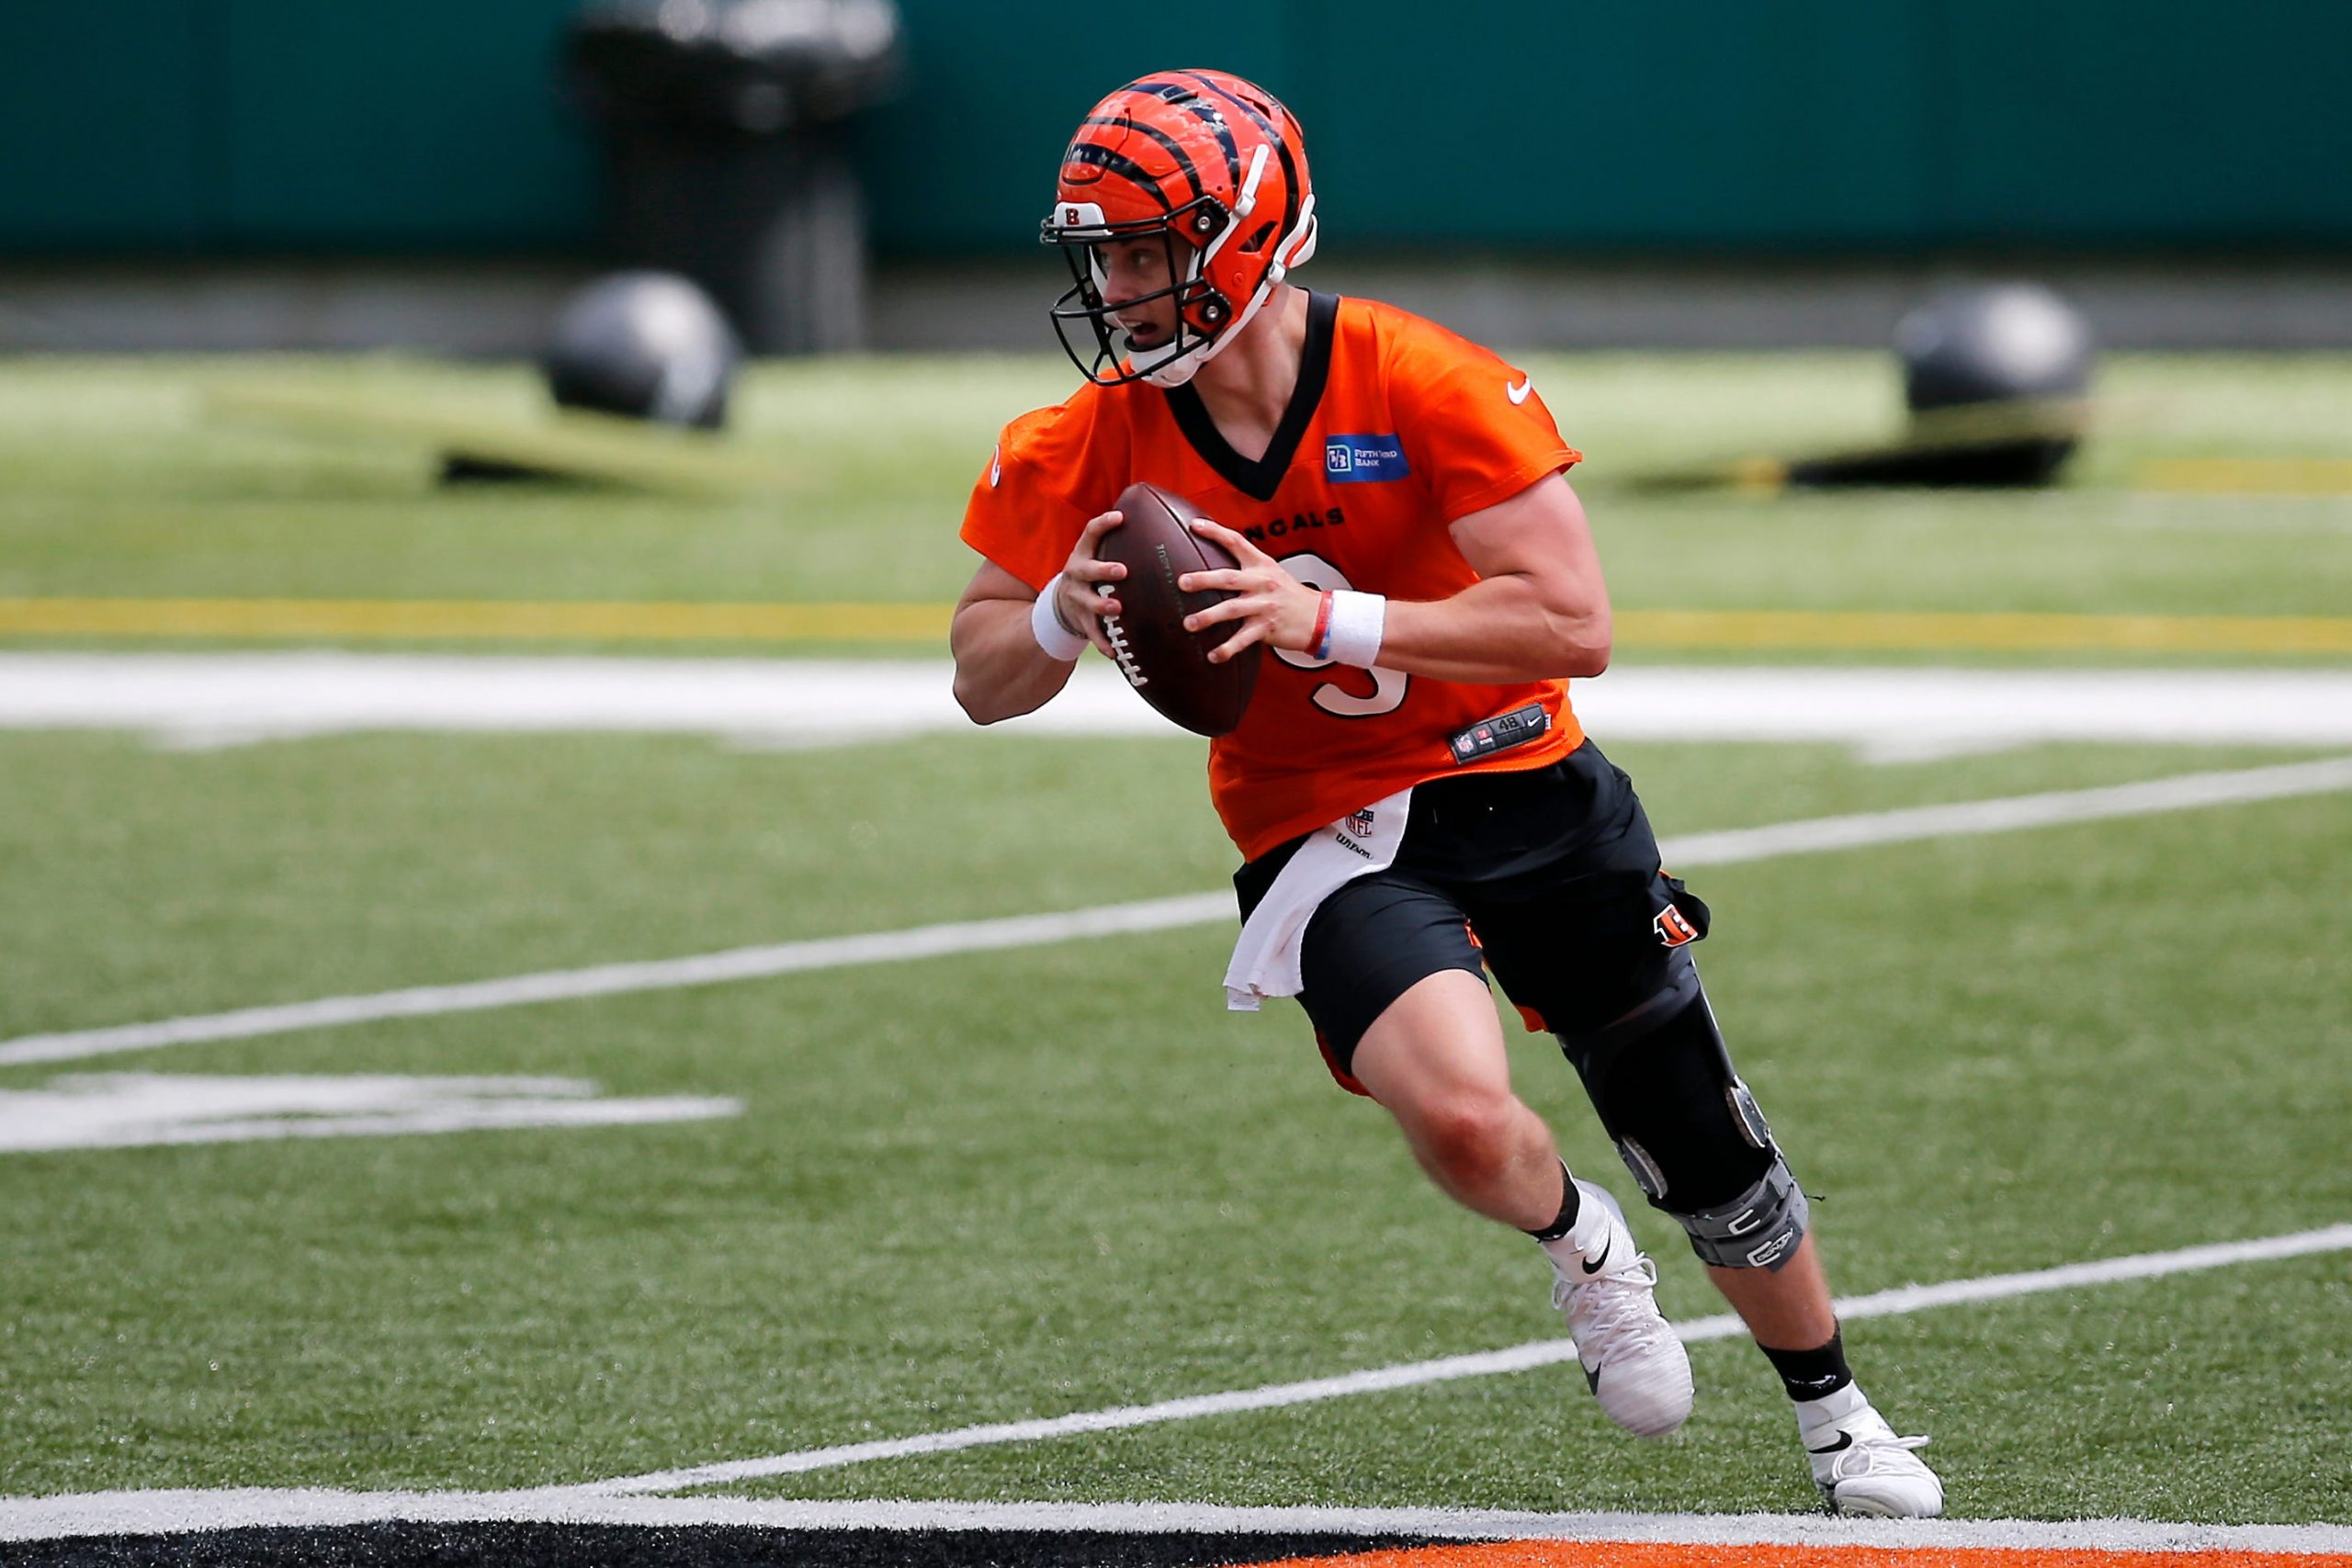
x,y
1802,127
103,138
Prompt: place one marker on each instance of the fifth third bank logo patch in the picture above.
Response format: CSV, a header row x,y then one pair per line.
x,y
1363,460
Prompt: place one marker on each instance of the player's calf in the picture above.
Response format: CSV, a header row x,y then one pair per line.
x,y
1688,1128
1691,1133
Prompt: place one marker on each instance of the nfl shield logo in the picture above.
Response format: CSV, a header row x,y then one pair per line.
x,y
1360,823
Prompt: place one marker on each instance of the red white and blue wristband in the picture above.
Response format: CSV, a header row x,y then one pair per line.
x,y
1349,627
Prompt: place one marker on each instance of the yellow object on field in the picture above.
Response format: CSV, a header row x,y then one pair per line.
x,y
2249,476
463,619
500,620
1983,631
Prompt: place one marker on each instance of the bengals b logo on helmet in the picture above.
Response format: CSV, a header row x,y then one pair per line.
x,y
1211,167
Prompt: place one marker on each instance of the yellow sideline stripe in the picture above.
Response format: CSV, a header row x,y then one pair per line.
x,y
483,618
2034,633
513,620
2249,476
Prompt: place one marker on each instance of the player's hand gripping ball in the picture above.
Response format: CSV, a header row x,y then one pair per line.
x,y
1166,664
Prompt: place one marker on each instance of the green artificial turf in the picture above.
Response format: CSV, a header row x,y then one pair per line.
x,y
115,481
991,1187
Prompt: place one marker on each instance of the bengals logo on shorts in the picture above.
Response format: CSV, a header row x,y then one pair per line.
x,y
1673,930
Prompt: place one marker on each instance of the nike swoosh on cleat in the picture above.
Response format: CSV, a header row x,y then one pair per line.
x,y
1593,1266
1845,1440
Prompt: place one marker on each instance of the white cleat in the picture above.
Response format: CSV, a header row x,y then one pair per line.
x,y
1605,1289
1860,1465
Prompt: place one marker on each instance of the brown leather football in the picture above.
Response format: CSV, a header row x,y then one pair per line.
x,y
1166,665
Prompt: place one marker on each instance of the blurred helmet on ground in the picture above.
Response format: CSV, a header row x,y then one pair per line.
x,y
1995,375
645,346
1993,343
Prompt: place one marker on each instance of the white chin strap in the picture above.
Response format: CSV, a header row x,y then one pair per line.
x,y
1166,366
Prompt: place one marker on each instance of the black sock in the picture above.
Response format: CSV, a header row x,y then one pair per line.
x,y
1812,1374
1570,1202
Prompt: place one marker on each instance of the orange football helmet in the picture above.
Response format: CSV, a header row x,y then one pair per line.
x,y
1212,167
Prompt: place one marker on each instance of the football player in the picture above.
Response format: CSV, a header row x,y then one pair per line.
x,y
1413,798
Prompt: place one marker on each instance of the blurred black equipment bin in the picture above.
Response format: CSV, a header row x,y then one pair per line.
x,y
726,126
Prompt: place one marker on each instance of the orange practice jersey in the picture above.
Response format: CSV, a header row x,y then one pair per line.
x,y
1397,429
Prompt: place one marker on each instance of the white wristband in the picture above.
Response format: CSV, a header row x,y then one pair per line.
x,y
1357,621
1045,625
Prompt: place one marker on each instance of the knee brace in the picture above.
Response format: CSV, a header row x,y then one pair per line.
x,y
1688,1128
1758,1229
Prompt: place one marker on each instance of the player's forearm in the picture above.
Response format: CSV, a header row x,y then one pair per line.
x,y
1499,630
1000,672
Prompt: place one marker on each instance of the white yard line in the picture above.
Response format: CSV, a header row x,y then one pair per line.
x,y
130,1111
2177,792
226,699
1896,1303
614,979
138,1513
628,1500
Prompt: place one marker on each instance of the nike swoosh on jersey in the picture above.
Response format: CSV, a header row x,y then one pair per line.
x,y
1518,394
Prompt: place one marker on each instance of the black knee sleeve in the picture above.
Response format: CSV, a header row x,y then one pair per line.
x,y
1688,1129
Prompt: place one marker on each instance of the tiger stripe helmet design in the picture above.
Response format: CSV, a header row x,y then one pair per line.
x,y
1212,167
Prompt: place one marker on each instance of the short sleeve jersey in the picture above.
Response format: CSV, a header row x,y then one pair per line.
x,y
1397,429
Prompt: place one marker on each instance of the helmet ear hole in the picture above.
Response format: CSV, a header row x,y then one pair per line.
x,y
1258,238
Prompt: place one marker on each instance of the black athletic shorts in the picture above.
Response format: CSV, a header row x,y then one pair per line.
x,y
1549,877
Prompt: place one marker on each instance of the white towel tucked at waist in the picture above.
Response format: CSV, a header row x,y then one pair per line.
x,y
1265,961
